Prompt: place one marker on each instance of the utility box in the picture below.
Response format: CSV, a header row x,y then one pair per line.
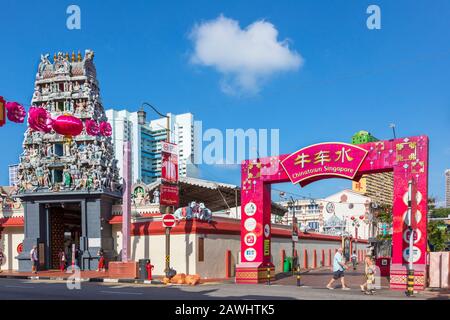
x,y
384,263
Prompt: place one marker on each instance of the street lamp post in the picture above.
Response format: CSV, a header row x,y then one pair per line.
x,y
141,119
292,204
142,114
392,125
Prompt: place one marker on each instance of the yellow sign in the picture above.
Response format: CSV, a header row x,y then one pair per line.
x,y
267,247
360,186
2,111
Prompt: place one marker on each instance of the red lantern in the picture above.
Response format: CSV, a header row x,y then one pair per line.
x,y
15,112
361,217
39,120
2,111
68,126
92,128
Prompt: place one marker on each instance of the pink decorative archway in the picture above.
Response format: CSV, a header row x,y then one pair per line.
x,y
407,158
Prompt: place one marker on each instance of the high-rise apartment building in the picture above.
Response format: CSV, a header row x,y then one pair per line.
x,y
13,174
447,188
146,143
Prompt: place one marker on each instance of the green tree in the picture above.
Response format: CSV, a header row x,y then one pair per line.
x,y
440,212
383,214
438,235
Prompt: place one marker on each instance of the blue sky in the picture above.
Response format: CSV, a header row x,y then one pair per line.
x,y
352,78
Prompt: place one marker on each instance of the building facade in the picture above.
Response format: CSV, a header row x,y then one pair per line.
x,y
344,213
447,188
146,143
308,214
210,249
379,187
13,171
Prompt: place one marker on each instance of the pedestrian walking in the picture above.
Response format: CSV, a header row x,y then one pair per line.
x,y
62,260
2,259
101,261
338,270
34,259
354,259
369,271
78,256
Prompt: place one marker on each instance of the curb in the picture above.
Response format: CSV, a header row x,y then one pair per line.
x,y
106,280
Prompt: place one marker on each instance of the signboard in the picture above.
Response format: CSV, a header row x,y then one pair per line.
x,y
266,247
250,209
324,160
169,195
295,238
250,224
360,186
168,220
250,239
169,162
95,242
2,112
250,254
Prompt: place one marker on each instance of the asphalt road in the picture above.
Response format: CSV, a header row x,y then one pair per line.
x,y
11,289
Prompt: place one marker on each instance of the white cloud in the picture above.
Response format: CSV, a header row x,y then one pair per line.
x,y
245,57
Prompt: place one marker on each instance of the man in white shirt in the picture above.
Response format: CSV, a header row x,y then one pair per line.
x,y
338,270
34,259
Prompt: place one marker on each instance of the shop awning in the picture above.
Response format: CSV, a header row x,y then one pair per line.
x,y
11,222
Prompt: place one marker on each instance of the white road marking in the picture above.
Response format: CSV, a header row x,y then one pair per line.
x,y
120,292
19,287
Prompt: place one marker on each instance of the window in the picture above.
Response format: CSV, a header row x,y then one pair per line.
x,y
57,176
201,249
59,150
313,225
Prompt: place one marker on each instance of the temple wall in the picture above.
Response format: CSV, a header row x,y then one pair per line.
x,y
185,257
153,248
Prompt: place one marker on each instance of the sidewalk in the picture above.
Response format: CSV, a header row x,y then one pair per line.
x,y
318,278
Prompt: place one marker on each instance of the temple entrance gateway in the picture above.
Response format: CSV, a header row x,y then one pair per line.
x,y
408,160
57,220
65,230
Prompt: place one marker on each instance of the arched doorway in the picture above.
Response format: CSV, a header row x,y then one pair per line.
x,y
408,160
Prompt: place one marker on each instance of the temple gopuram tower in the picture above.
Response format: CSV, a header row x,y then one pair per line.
x,y
67,184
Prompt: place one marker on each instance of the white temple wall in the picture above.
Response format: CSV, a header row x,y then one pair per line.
x,y
11,237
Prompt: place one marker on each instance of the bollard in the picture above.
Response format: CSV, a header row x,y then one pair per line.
x,y
410,284
298,276
268,276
